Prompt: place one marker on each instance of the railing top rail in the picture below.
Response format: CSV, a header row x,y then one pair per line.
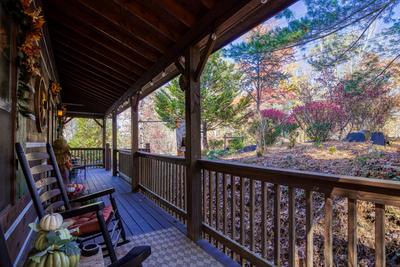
x,y
86,148
124,150
370,189
173,159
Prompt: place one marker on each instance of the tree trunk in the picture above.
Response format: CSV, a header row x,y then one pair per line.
x,y
204,137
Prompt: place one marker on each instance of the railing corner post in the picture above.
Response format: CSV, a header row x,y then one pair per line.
x,y
135,143
193,144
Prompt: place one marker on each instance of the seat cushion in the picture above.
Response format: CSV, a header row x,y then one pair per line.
x,y
87,223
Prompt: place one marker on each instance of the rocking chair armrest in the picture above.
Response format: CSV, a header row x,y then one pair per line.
x,y
94,195
93,207
134,258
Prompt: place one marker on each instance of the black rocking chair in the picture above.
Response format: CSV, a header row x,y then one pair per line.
x,y
93,220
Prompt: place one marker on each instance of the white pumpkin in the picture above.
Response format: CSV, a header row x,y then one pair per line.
x,y
51,222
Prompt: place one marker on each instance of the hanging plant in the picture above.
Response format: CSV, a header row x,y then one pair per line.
x,y
29,21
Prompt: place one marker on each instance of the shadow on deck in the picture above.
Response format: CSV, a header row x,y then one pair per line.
x,y
145,221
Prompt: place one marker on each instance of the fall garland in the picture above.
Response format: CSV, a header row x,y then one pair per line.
x,y
29,21
55,88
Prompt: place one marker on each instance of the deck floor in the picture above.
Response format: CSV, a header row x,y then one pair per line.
x,y
140,215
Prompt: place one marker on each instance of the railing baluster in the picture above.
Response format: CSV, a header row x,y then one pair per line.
x,y
242,227
210,197
309,229
292,226
233,207
224,206
328,232
380,257
252,203
204,196
264,205
277,225
352,232
217,201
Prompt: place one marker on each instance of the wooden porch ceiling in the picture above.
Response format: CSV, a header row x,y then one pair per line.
x,y
107,50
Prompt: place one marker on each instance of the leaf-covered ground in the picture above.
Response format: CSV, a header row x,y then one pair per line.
x,y
356,159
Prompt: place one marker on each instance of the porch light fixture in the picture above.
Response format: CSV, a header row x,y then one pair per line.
x,y
151,83
163,74
60,111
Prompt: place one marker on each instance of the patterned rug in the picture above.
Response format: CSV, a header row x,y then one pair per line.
x,y
169,247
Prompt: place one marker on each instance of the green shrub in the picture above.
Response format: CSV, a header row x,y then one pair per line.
x,y
215,154
237,143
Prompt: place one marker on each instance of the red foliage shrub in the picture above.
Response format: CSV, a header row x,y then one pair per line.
x,y
319,119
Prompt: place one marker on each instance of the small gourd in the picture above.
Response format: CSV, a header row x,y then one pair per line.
x,y
51,259
51,222
41,242
74,260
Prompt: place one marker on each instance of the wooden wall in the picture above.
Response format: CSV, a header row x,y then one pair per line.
x,y
19,212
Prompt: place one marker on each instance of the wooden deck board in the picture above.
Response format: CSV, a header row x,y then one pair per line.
x,y
138,213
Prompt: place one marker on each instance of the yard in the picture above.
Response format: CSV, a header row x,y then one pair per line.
x,y
335,157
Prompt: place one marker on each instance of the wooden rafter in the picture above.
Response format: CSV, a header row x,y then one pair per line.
x,y
203,61
98,123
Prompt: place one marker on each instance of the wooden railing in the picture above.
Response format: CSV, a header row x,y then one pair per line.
x,y
125,166
91,157
163,179
125,163
250,213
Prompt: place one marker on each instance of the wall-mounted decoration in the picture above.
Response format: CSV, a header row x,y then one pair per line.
x,y
55,88
7,55
40,104
29,21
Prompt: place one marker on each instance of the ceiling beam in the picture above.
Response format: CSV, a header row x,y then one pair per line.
x,y
78,114
249,17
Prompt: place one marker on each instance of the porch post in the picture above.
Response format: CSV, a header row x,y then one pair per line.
x,y
104,141
193,143
114,144
135,142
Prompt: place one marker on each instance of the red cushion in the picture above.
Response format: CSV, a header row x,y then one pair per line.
x,y
87,223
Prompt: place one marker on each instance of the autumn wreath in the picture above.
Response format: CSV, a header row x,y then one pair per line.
x,y
29,21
